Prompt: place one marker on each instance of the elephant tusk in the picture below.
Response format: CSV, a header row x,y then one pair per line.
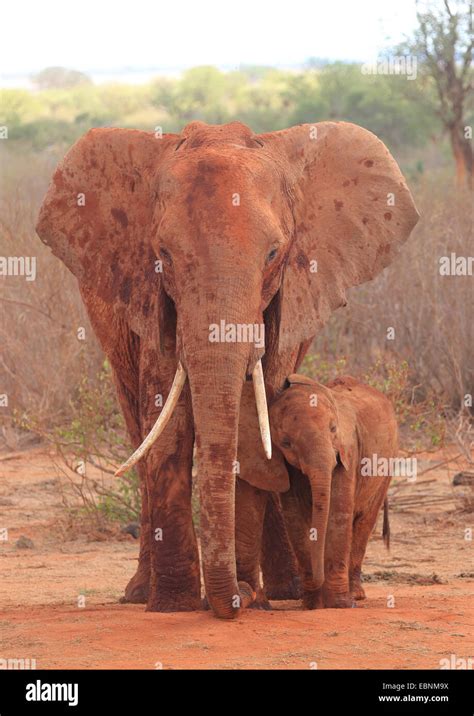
x,y
159,426
262,410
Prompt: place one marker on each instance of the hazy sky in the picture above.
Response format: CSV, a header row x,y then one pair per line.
x,y
111,34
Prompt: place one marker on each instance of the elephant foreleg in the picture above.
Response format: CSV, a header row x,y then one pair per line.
x,y
174,560
250,509
122,347
137,589
126,383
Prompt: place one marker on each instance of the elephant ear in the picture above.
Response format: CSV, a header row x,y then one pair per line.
x,y
352,212
97,218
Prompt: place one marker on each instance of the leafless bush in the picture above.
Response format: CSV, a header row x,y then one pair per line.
x,y
90,446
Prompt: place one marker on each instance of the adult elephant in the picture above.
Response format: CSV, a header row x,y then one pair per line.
x,y
182,242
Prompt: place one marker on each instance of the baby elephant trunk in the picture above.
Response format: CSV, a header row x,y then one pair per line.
x,y
320,482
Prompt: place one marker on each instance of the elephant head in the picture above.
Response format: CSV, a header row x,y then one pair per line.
x,y
214,229
316,437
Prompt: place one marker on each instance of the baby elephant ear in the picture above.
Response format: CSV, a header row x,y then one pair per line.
x,y
97,218
352,212
347,441
298,379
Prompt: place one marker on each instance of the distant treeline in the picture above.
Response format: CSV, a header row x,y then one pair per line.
x,y
398,109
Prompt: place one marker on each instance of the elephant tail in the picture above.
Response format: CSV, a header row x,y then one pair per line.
x,y
386,524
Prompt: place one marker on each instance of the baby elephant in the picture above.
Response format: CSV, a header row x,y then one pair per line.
x,y
337,441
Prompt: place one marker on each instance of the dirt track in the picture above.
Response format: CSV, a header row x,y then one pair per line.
x,y
428,573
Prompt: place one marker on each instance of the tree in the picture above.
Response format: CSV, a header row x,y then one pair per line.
x,y
443,42
340,91
60,78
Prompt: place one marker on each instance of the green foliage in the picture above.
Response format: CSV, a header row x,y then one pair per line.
x,y
46,132
19,106
263,97
202,93
378,102
422,421
124,503
96,418
322,368
392,380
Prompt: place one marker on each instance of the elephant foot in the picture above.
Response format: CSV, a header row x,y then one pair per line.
x,y
313,599
247,595
285,590
338,600
248,598
137,590
179,595
357,590
261,602
182,603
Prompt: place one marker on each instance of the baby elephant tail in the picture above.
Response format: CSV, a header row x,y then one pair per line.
x,y
386,524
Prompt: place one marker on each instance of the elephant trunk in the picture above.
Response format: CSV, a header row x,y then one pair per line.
x,y
216,402
217,368
320,481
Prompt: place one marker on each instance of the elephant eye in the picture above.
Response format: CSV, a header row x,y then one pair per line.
x,y
165,254
272,254
286,442
333,428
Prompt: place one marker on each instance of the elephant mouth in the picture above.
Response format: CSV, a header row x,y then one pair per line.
x,y
254,374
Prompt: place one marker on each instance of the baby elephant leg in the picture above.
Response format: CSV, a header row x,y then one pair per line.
x,y
279,564
296,506
364,523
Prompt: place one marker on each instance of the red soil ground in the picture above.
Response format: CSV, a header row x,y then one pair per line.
x,y
418,610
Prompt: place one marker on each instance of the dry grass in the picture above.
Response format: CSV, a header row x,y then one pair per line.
x,y
60,387
430,314
41,359
43,363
